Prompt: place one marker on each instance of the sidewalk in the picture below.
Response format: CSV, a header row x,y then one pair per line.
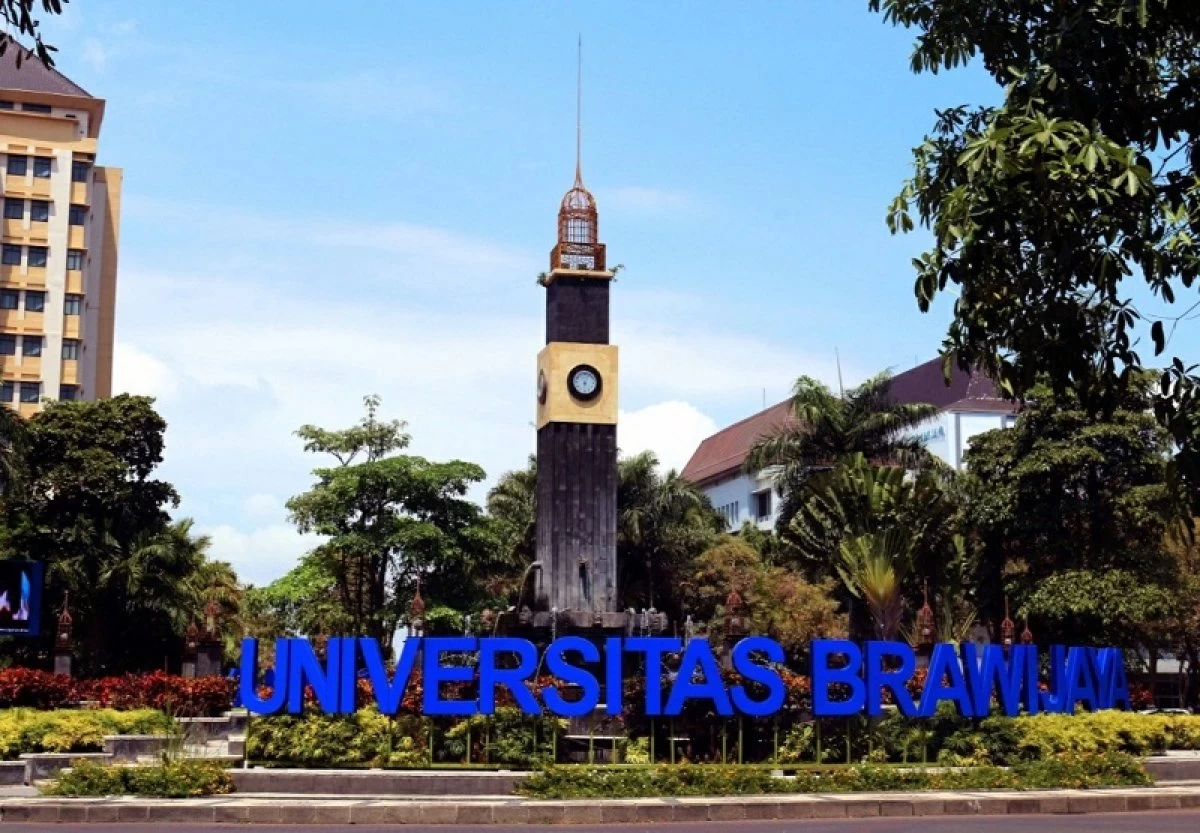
x,y
265,809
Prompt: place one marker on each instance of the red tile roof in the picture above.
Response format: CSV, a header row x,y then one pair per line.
x,y
33,75
725,451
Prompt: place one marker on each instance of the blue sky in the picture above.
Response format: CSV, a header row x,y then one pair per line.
x,y
319,208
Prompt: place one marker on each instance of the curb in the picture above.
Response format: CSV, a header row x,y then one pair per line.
x,y
237,810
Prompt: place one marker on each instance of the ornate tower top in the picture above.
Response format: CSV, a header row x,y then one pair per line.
x,y
579,246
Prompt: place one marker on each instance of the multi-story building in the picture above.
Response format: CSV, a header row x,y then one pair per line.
x,y
58,260
969,406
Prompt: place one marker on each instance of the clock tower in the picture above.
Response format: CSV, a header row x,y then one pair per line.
x,y
577,425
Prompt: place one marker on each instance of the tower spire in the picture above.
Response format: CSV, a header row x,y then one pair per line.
x,y
579,115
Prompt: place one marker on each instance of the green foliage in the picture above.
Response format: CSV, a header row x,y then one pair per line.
x,y
1106,731
1071,771
1045,208
779,602
174,779
824,428
27,730
1075,509
86,502
507,737
320,740
391,520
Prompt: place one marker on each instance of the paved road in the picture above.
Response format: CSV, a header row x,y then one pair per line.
x,y
1160,822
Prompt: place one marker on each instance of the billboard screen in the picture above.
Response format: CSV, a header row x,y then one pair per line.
x,y
20,597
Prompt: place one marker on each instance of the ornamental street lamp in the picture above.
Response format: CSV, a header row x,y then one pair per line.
x,y
64,642
1007,628
925,627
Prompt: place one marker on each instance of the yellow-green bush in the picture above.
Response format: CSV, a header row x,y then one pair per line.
x,y
29,730
365,737
173,779
1107,731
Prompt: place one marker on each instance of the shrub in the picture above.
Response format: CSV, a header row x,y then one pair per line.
x,y
1134,734
1074,771
27,730
365,737
180,696
174,779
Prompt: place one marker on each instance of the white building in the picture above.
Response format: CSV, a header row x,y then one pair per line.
x,y
969,406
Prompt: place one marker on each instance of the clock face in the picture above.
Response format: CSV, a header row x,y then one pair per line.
x,y
584,382
541,387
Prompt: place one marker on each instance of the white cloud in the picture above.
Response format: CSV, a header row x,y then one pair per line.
x,y
260,555
93,52
672,430
135,371
261,505
644,200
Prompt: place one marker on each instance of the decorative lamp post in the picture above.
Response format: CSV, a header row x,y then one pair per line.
x,y
925,628
64,642
736,625
1007,628
1026,635
191,649
416,614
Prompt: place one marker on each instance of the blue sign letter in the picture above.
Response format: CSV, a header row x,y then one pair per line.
x,y
823,677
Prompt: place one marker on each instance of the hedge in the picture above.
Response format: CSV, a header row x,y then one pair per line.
x,y
181,696
1060,771
28,730
175,779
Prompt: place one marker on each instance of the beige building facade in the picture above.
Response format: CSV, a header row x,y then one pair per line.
x,y
61,222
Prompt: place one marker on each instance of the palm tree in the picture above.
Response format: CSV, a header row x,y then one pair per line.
x,y
824,427
873,567
512,503
663,521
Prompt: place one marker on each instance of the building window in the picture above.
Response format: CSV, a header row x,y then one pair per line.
x,y
10,255
730,512
8,299
31,391
17,165
7,391
8,347
73,305
68,393
78,215
14,209
41,167
35,301
762,505
39,211
70,349
38,255
79,171
31,345
30,107
6,105
74,258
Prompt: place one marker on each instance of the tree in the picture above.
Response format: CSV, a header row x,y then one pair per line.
x,y
858,498
824,427
873,567
780,603
1046,208
663,521
89,507
19,15
512,504
393,521
1064,506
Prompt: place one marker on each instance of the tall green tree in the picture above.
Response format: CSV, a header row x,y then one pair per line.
x,y
663,521
89,506
393,521
512,504
824,427
1056,214
1070,513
